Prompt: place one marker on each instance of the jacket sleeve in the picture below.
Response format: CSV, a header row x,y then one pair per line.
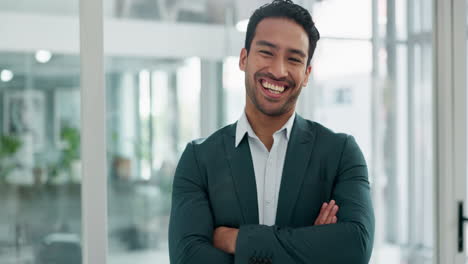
x,y
348,241
191,220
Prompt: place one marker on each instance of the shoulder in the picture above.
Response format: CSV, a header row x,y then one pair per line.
x,y
215,140
320,132
325,139
328,143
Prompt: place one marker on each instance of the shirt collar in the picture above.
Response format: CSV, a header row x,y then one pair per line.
x,y
243,127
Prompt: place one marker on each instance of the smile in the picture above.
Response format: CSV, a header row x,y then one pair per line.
x,y
276,89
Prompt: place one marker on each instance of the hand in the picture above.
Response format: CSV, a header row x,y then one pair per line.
x,y
225,238
327,214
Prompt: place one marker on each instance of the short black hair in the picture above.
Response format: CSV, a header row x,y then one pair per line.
x,y
284,9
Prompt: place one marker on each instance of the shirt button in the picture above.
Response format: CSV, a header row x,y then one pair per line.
x,y
268,202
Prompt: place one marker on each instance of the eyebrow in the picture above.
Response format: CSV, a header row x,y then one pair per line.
x,y
271,45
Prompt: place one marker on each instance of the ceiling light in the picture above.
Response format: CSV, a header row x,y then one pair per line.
x,y
6,75
242,25
43,56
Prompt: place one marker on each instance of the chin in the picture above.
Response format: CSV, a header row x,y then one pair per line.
x,y
272,111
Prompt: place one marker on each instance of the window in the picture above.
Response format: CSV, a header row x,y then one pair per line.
x,y
40,163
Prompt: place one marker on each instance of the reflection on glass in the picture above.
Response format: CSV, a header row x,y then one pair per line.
x,y
152,114
40,165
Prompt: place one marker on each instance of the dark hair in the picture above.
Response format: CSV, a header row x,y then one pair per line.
x,y
284,9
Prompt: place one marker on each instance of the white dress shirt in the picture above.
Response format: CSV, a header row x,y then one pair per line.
x,y
268,165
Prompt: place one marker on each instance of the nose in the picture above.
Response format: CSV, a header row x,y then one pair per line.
x,y
278,69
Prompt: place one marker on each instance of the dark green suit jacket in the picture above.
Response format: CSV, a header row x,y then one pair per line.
x,y
214,185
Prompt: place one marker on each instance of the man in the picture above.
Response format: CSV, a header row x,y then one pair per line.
x,y
263,189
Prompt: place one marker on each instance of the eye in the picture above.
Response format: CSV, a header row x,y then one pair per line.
x,y
295,60
265,52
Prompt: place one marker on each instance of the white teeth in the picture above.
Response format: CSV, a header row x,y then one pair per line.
x,y
274,88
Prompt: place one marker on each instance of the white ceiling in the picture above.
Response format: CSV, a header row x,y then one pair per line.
x,y
208,11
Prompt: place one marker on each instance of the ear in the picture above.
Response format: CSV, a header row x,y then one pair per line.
x,y
306,77
243,59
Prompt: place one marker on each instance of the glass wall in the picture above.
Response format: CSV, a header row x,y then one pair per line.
x,y
172,75
157,88
40,165
152,113
402,131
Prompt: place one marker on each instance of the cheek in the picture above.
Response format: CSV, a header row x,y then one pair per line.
x,y
251,73
301,78
249,79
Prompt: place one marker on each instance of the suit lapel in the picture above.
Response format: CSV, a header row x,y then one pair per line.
x,y
298,153
242,171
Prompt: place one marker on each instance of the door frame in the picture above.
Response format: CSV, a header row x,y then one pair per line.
x,y
93,134
450,124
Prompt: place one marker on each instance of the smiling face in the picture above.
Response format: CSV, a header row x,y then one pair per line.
x,y
275,67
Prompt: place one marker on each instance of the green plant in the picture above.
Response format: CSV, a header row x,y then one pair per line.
x,y
70,138
71,152
9,145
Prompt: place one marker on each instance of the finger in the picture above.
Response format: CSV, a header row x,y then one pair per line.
x,y
320,217
333,211
324,206
318,220
335,219
216,239
325,213
332,214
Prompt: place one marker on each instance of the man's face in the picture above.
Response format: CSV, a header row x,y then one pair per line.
x,y
276,66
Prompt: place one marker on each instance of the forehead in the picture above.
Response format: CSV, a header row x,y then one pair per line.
x,y
282,32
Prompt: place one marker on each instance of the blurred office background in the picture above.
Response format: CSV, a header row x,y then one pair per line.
x,y
171,72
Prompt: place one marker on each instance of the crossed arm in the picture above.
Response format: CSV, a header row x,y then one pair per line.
x,y
225,238
193,238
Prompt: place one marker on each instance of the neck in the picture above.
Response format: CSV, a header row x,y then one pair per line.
x,y
265,125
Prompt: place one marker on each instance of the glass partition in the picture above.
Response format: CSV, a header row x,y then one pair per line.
x,y
40,164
